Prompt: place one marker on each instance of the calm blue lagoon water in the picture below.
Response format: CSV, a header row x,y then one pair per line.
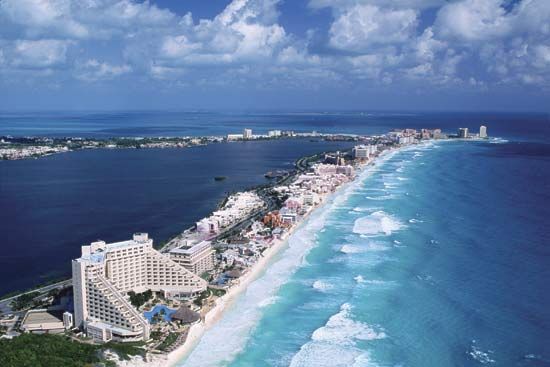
x,y
53,205
438,256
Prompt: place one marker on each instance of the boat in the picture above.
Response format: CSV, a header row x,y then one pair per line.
x,y
219,178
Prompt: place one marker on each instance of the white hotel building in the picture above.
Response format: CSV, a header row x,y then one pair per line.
x,y
197,258
105,273
364,151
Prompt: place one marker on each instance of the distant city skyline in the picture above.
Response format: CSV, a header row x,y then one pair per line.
x,y
417,55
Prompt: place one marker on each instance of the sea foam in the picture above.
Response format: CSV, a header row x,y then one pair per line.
x,y
322,286
350,249
337,337
377,223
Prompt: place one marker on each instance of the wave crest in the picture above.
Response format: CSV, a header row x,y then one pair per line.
x,y
376,224
336,338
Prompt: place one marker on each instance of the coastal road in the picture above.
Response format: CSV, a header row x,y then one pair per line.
x,y
5,307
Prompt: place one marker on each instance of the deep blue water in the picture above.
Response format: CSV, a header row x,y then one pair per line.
x,y
437,257
166,123
53,205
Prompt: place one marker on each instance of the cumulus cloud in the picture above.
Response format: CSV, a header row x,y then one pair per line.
x,y
474,20
40,53
340,5
361,26
94,70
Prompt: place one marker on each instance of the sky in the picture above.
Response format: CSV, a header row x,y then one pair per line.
x,y
402,55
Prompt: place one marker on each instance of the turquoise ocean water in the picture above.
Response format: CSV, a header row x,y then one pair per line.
x,y
437,256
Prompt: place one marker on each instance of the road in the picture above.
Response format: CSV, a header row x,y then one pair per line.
x,y
5,307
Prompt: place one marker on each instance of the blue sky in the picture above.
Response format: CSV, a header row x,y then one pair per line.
x,y
275,54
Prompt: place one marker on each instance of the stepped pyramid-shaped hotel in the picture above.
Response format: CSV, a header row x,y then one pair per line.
x,y
105,273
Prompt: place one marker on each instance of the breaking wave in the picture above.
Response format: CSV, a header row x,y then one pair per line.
x,y
477,354
337,337
377,223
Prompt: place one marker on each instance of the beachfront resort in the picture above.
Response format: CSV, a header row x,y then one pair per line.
x,y
130,291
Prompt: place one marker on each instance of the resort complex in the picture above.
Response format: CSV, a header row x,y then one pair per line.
x,y
105,274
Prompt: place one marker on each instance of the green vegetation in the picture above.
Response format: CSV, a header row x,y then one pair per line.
x,y
168,341
217,292
204,295
139,299
24,301
31,350
156,335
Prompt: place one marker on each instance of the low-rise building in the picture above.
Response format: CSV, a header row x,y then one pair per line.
x,y
231,137
43,322
68,321
197,258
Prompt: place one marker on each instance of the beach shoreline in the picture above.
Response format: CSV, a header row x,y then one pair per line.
x,y
213,316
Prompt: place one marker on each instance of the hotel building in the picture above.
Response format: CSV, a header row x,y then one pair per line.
x,y
105,273
197,258
463,132
483,131
363,151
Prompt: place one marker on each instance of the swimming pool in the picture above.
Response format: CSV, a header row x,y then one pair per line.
x,y
167,313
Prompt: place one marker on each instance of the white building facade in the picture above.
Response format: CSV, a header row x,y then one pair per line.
x,y
483,131
198,258
105,273
364,151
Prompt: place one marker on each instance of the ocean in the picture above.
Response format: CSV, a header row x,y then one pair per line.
x,y
437,256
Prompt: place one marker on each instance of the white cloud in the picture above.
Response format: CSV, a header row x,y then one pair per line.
x,y
177,46
362,26
94,70
340,5
39,54
246,31
542,56
292,55
426,46
481,20
473,20
82,19
38,17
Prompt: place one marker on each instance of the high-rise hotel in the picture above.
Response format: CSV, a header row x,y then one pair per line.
x,y
105,273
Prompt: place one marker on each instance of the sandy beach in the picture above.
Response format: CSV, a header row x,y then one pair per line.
x,y
197,330
221,304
